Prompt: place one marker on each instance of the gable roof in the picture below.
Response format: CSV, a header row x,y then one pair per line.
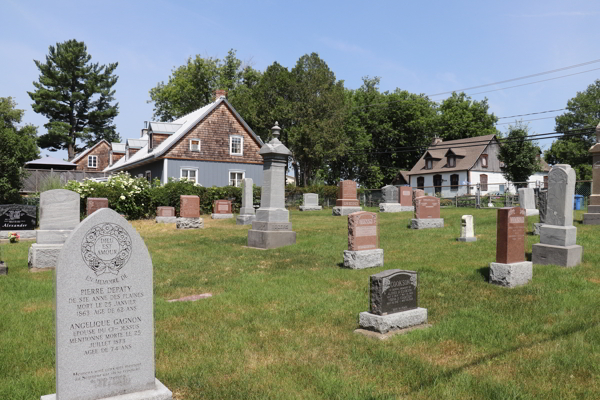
x,y
48,160
469,149
185,123
83,153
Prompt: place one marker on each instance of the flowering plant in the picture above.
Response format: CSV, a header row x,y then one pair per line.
x,y
14,237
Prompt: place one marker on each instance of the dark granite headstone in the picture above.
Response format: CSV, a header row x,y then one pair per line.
x,y
543,204
393,291
17,217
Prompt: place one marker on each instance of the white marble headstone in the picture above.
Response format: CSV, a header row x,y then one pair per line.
x,y
311,199
59,209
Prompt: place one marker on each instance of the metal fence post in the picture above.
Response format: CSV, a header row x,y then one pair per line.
x,y
478,196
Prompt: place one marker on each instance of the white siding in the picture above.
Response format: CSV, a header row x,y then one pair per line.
x,y
446,191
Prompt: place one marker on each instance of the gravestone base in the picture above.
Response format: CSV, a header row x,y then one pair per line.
x,y
558,235
245,219
467,239
391,322
43,256
260,239
345,210
426,223
511,275
221,216
390,207
592,209
536,228
531,211
591,218
310,208
363,259
166,220
160,392
564,256
189,223
27,235
52,236
3,268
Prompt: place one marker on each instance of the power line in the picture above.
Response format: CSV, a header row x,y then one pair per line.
x,y
533,113
524,120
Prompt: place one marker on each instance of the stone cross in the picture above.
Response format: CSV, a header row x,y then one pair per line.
x,y
510,235
247,197
96,203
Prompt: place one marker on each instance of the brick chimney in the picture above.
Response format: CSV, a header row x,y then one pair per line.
x,y
436,140
219,93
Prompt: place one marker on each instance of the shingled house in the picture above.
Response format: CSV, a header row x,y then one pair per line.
x,y
212,146
94,159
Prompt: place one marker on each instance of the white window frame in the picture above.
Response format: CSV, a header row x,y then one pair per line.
x,y
231,153
199,145
95,161
236,171
188,169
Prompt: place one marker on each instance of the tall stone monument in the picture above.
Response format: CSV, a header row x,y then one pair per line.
x,y
592,217
104,314
558,235
427,213
272,228
363,242
247,213
467,230
222,209
527,201
59,215
390,199
346,203
311,202
510,268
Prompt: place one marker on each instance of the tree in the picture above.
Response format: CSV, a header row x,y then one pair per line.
x,y
583,111
519,155
17,146
75,95
460,118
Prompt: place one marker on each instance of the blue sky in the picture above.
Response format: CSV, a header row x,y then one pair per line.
x,y
423,47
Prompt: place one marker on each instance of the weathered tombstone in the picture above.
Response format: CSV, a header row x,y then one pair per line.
x,y
558,235
222,209
247,213
592,217
390,199
363,242
393,304
165,215
272,228
19,218
427,213
95,203
467,231
542,206
311,202
346,202
59,215
104,314
189,213
417,193
406,200
510,268
527,201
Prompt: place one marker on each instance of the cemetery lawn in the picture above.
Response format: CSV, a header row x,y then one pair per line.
x,y
280,322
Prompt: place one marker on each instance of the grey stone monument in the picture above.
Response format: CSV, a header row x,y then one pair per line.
x,y
104,314
272,228
558,235
467,230
247,213
59,215
390,199
592,217
527,201
543,205
393,303
311,202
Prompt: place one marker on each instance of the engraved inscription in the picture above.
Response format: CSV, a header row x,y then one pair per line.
x,y
366,231
106,248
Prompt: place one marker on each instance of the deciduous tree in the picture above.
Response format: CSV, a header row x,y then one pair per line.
x,y
519,155
460,118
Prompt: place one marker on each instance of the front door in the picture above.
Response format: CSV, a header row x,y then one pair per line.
x,y
437,182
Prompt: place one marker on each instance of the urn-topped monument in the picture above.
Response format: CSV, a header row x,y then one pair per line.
x,y
272,228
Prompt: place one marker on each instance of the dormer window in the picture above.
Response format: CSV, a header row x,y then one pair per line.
x,y
484,161
428,163
451,161
195,145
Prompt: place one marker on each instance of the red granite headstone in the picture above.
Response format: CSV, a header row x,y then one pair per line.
x,y
362,231
510,235
427,207
189,206
164,211
222,207
347,194
405,193
417,193
95,203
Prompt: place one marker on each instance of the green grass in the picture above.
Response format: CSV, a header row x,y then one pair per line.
x,y
280,322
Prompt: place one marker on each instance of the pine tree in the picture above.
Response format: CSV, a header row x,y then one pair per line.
x,y
75,95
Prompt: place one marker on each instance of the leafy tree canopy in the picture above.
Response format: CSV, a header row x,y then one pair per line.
x,y
75,95
460,118
519,155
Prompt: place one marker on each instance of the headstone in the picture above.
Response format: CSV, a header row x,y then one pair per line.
x,y
417,193
543,205
104,314
394,303
427,213
510,268
467,231
165,215
558,236
95,203
363,242
189,213
311,202
527,201
19,218
3,268
272,228
222,209
59,215
346,202
406,198
592,217
247,213
390,200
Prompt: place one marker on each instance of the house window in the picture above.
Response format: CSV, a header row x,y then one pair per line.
x,y
194,144
429,163
235,178
484,161
483,180
451,161
454,182
189,174
92,161
236,145
149,176
420,182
